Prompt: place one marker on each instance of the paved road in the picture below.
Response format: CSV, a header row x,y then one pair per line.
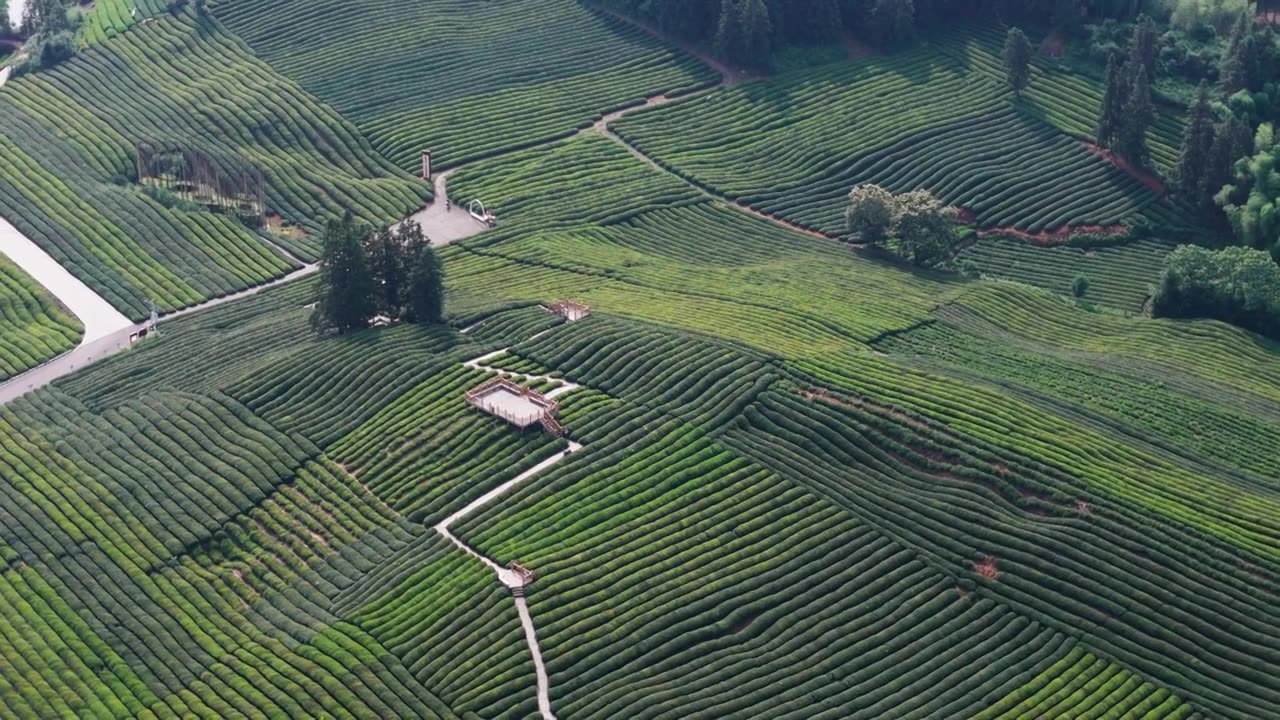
x,y
97,315
442,222
65,364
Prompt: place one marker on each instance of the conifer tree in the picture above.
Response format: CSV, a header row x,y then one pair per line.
x,y
894,20
757,34
346,301
1197,144
1136,117
1017,60
728,39
1113,100
426,286
1232,140
1236,70
1144,44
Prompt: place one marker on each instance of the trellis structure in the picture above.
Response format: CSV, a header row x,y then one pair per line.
x,y
227,185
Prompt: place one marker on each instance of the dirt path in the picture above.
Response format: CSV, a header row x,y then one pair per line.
x,y
1146,177
602,127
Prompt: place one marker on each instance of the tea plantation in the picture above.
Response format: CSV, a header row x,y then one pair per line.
x,y
795,477
33,327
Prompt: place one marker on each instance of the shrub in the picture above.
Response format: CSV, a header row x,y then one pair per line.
x,y
1080,286
1236,285
56,48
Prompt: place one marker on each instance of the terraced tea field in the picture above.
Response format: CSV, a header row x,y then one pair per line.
x,y
936,117
787,477
1121,277
425,75
69,149
33,327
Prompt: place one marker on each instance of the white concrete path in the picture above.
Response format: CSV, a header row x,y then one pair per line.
x,y
507,577
97,315
479,364
106,330
442,222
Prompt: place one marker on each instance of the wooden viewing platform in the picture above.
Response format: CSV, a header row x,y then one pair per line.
x,y
570,310
516,404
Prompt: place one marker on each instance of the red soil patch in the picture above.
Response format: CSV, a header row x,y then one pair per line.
x,y
1054,45
1047,238
1146,177
856,48
987,568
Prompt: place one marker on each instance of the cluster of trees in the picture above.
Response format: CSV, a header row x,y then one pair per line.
x,y
365,273
1251,199
1236,285
915,226
49,27
1210,147
745,31
1127,109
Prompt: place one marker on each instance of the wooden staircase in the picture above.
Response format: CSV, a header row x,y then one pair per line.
x,y
552,425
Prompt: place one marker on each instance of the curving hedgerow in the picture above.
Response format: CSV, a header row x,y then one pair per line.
x,y
69,149
33,327
937,117
423,75
1122,276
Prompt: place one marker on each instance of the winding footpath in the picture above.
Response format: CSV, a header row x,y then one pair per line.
x,y
506,576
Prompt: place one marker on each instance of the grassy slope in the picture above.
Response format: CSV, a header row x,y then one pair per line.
x,y
937,116
70,143
815,485
424,75
33,327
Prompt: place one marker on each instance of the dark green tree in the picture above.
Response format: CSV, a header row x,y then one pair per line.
x,y
45,17
411,238
1144,45
1239,59
812,21
757,34
1197,146
387,264
1067,16
1136,117
1017,60
426,287
682,18
728,43
894,21
923,227
1232,141
347,293
1113,100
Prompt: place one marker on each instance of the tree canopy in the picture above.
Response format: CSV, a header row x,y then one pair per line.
x,y
1017,60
